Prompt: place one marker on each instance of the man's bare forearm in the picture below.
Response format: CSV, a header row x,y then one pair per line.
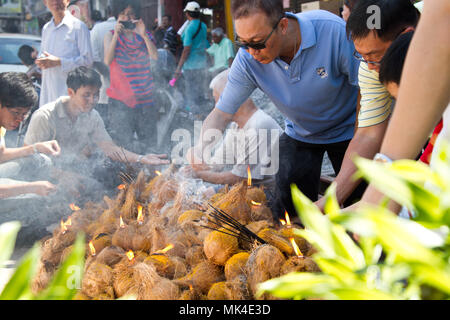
x,y
366,143
8,154
219,177
218,120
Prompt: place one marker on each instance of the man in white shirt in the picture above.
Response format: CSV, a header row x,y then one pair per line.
x,y
97,36
65,46
239,153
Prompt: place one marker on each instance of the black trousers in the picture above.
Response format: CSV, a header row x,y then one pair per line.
x,y
301,164
125,121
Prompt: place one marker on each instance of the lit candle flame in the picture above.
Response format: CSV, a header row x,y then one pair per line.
x,y
283,222
121,223
140,217
64,225
296,248
130,255
249,177
256,204
288,220
74,207
121,187
165,250
158,172
92,248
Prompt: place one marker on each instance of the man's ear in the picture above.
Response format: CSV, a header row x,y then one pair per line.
x,y
71,92
284,23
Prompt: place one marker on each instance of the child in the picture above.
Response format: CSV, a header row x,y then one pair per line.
x,y
390,74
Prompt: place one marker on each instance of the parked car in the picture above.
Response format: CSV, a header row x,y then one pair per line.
x,y
9,47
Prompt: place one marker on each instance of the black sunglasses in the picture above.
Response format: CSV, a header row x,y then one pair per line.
x,y
257,45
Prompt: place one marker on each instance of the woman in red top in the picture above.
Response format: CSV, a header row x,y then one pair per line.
x,y
128,50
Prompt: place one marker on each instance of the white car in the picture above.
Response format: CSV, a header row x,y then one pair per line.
x,y
9,47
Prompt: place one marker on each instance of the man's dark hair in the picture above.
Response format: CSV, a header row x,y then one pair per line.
x,y
24,54
396,15
392,63
272,8
350,3
120,5
194,14
17,90
168,16
83,77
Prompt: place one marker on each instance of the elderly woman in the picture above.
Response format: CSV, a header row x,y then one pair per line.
x,y
128,50
221,51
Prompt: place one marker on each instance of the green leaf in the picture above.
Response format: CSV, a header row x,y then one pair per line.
x,y
346,248
433,276
19,285
67,280
362,293
8,234
312,218
299,285
336,269
331,208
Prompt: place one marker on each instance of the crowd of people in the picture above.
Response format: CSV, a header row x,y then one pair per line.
x,y
336,81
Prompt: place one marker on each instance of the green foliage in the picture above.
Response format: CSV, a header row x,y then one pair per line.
x,y
416,262
65,283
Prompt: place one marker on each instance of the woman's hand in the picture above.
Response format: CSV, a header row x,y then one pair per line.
x,y
140,27
119,28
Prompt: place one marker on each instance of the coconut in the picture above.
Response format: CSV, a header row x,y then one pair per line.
x,y
257,226
235,204
81,296
42,278
180,267
261,212
263,264
100,242
168,191
129,208
202,277
123,237
235,266
218,291
219,247
195,255
255,194
162,263
150,286
272,237
299,264
98,280
302,244
123,282
189,216
110,256
216,197
230,290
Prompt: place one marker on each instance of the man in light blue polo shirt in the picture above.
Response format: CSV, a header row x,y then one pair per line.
x,y
305,64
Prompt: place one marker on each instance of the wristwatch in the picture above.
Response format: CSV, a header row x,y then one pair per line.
x,y
139,159
382,158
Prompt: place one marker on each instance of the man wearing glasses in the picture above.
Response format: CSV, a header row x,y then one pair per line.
x,y
396,17
304,63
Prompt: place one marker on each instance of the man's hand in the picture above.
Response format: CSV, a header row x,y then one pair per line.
x,y
50,148
42,188
48,61
195,162
320,204
155,159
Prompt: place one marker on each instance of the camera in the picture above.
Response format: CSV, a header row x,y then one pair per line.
x,y
128,25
